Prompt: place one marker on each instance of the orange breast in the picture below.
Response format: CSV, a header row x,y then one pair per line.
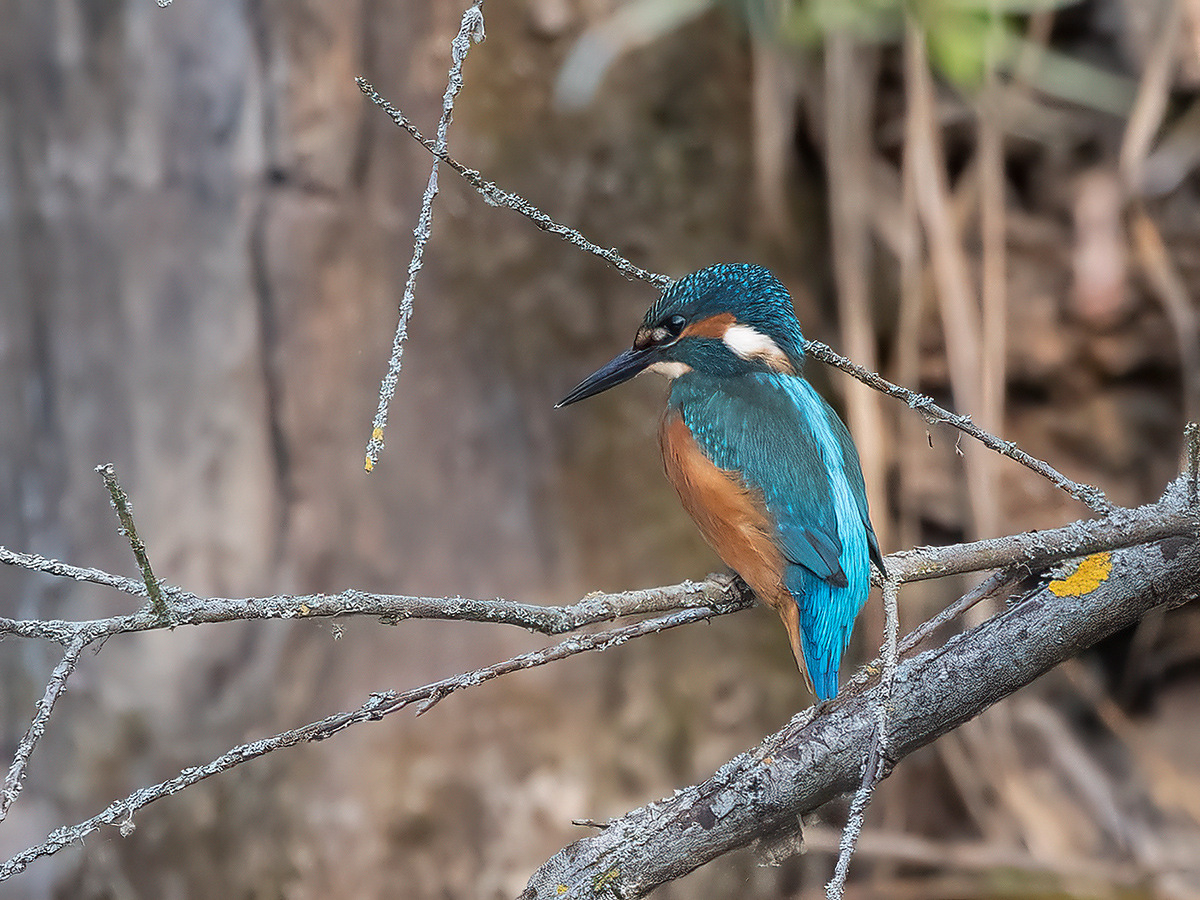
x,y
733,519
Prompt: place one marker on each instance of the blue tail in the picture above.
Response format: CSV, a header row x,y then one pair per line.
x,y
827,615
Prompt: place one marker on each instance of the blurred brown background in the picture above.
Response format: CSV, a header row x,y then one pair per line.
x,y
204,234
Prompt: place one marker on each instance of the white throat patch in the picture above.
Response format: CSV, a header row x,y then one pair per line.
x,y
669,370
748,342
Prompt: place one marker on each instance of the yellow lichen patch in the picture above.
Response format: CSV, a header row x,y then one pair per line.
x,y
561,889
305,610
1091,572
377,441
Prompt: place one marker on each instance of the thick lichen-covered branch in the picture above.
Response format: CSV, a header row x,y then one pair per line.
x,y
818,757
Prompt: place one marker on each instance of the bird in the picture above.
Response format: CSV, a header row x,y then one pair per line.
x,y
761,462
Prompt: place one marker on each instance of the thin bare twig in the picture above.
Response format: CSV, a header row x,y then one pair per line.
x,y
376,707
471,28
432,694
982,591
15,779
120,503
497,196
1090,496
876,765
35,563
189,609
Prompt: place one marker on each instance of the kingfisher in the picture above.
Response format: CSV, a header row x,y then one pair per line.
x,y
762,464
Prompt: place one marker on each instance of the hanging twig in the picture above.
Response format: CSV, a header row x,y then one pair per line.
x,y
497,196
876,765
470,29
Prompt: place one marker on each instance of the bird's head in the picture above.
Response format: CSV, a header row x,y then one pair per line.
x,y
725,320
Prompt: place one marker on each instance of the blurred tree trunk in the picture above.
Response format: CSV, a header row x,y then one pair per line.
x,y
205,231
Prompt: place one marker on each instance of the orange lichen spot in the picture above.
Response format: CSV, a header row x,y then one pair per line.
x,y
368,465
1091,572
377,434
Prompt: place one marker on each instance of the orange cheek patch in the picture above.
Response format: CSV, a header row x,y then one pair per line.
x,y
712,327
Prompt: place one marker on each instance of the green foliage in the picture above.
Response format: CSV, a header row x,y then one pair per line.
x,y
967,40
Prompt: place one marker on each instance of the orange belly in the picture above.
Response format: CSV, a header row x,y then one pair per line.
x,y
733,518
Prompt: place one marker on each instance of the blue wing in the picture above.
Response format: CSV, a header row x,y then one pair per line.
x,y
785,441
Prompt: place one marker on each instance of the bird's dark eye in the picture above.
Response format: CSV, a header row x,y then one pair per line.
x,y
667,331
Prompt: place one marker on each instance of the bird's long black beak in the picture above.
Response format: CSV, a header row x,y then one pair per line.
x,y
620,370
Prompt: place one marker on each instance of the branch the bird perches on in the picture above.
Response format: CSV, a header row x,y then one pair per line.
x,y
822,752
1154,571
